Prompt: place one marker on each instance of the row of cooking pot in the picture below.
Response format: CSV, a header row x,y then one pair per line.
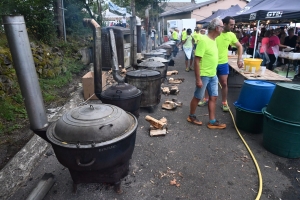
x,y
142,87
164,50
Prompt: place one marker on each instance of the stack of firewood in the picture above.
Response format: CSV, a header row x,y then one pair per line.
x,y
157,127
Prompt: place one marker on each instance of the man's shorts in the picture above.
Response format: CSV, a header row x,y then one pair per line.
x,y
209,83
223,69
192,56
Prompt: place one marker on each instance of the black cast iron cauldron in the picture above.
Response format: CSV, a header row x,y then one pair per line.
x,y
95,142
149,82
151,64
154,54
161,51
162,60
167,47
125,96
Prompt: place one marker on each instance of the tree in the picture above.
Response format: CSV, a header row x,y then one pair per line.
x,y
59,18
38,15
141,6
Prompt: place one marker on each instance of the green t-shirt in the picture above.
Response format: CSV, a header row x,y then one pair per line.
x,y
183,35
197,37
223,41
174,35
208,51
189,41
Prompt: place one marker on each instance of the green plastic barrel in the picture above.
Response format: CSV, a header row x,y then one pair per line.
x,y
248,121
285,102
281,138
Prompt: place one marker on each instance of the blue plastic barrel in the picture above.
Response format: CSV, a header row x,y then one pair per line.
x,y
255,95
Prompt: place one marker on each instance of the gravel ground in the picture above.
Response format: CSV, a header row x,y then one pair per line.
x,y
207,164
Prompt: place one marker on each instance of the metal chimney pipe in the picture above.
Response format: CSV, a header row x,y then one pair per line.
x,y
117,77
139,38
18,41
97,54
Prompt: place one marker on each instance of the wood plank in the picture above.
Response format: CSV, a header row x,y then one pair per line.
x,y
268,76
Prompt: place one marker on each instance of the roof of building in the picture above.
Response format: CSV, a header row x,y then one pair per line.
x,y
173,8
188,8
167,6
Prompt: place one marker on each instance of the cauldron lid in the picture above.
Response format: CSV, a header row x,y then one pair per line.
x,y
158,59
156,53
121,91
143,73
171,42
159,50
91,124
165,46
151,63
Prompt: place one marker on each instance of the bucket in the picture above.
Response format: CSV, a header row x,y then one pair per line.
x,y
253,62
281,138
149,82
285,102
255,95
251,122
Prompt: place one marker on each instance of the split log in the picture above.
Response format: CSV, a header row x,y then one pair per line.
x,y
164,120
154,122
174,90
175,81
158,132
165,90
173,72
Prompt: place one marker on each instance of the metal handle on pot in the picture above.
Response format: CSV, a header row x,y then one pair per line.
x,y
85,165
105,125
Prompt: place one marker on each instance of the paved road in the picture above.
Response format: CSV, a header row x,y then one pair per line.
x,y
208,164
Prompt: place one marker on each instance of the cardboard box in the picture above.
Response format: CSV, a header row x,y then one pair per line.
x,y
88,84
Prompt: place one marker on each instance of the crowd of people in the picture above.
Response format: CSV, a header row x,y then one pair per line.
x,y
119,22
206,52
269,43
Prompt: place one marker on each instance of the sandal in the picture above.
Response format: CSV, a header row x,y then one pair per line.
x,y
194,120
216,125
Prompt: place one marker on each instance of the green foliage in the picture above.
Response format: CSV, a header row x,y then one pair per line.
x,y
38,16
10,110
48,85
141,5
63,68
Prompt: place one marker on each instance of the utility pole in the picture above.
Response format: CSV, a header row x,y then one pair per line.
x,y
133,40
63,15
148,46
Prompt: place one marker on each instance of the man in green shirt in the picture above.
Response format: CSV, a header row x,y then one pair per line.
x,y
183,34
205,64
175,38
175,35
225,39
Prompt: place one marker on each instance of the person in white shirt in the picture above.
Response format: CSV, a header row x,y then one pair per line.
x,y
124,22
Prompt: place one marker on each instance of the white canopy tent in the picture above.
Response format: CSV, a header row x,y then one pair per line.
x,y
109,15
